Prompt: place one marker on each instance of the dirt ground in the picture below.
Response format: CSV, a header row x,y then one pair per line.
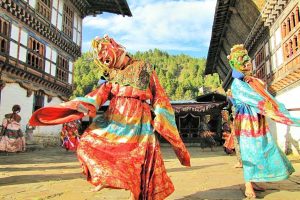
x,y
55,174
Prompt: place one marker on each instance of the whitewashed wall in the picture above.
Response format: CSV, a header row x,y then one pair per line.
x,y
291,99
13,94
49,130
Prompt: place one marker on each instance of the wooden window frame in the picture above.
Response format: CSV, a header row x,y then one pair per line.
x,y
58,15
4,35
43,7
62,69
68,15
51,60
36,54
77,29
21,41
260,64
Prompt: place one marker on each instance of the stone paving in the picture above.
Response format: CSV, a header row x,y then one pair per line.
x,y
55,174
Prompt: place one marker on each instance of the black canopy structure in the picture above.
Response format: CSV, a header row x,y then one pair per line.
x,y
94,7
191,115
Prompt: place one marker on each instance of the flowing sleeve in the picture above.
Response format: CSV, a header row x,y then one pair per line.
x,y
164,121
264,104
72,110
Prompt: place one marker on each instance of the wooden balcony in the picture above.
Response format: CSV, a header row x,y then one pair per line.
x,y
31,76
288,74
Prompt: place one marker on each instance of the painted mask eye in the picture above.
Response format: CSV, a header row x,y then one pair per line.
x,y
107,62
246,58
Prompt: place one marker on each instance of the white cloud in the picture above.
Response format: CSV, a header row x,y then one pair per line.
x,y
166,25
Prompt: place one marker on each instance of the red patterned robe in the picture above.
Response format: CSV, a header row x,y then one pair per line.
x,y
70,136
121,149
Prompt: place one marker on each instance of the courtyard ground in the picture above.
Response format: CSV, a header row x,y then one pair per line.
x,y
53,174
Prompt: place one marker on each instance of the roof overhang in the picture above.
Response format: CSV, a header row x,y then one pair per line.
x,y
235,22
221,17
94,7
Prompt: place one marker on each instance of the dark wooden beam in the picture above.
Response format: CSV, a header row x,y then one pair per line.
x,y
120,8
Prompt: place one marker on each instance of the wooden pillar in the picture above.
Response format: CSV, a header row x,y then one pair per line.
x,y
292,20
290,48
295,44
283,30
297,15
288,26
298,40
286,50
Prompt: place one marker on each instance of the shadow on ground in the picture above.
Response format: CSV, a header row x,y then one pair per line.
x,y
195,152
12,169
233,192
47,155
179,169
36,178
54,155
236,192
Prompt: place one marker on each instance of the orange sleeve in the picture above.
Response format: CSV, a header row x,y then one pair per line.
x,y
164,120
71,110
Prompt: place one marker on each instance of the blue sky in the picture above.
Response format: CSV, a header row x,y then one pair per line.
x,y
174,26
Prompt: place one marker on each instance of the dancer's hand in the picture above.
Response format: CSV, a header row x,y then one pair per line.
x,y
247,78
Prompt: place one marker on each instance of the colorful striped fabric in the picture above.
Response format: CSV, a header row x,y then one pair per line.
x,y
262,158
121,149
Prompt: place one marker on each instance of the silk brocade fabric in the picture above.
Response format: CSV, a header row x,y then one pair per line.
x,y
262,159
121,150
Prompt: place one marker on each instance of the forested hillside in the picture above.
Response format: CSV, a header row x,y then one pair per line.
x,y
182,76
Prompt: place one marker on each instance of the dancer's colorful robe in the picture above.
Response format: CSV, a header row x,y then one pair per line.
x,y
121,149
69,136
262,159
11,136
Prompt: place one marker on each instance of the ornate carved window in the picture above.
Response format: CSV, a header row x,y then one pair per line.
x,y
62,70
260,64
35,55
44,8
290,33
68,20
4,35
260,58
